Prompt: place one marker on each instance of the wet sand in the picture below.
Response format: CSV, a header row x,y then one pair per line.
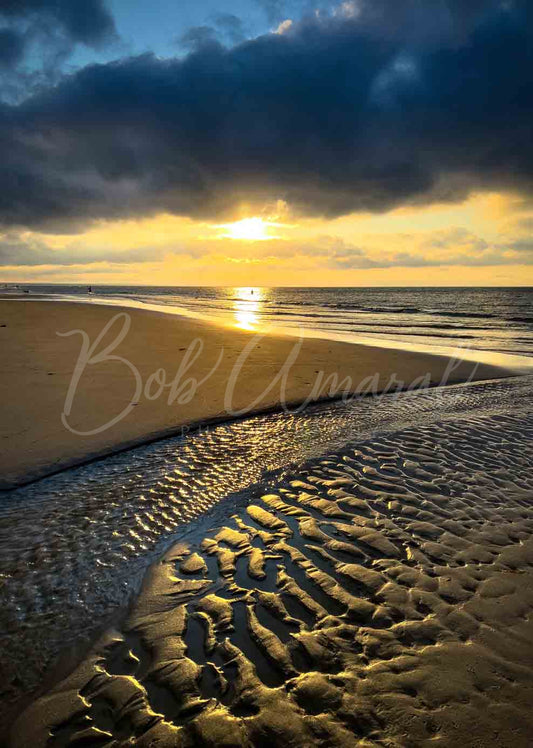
x,y
38,367
381,594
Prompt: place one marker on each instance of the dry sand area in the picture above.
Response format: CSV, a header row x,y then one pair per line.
x,y
38,366
381,595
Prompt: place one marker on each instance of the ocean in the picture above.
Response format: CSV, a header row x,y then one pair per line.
x,y
496,320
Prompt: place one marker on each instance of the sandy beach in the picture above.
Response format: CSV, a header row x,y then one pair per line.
x,y
356,573
38,368
381,594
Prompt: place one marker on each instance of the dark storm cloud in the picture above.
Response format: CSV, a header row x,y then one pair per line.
x,y
85,21
230,26
11,47
332,117
38,37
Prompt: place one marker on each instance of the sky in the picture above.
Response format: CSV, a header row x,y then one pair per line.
x,y
264,142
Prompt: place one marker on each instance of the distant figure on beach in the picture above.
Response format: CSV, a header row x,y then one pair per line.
x,y
90,289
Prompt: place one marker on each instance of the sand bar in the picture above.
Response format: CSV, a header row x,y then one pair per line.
x,y
209,372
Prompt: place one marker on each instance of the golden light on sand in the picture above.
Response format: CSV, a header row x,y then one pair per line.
x,y
248,229
248,303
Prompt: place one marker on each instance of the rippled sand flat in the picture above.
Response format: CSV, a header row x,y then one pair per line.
x,y
378,594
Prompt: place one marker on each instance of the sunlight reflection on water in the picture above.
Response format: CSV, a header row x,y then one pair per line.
x,y
248,304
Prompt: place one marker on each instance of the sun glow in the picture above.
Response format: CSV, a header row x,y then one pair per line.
x,y
248,304
249,229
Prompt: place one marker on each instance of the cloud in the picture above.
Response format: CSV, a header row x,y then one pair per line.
x,y
454,247
524,224
85,21
11,47
226,29
198,36
283,27
230,26
33,254
38,36
33,50
525,246
348,9
333,118
32,251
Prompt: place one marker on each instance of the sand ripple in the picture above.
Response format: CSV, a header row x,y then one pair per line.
x,y
380,594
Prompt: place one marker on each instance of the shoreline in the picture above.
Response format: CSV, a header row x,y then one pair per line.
x,y
39,368
518,362
197,426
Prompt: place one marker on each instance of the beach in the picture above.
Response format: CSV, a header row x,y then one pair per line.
x,y
356,572
202,374
379,594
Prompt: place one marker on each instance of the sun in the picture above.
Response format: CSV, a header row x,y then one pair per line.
x,y
249,229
